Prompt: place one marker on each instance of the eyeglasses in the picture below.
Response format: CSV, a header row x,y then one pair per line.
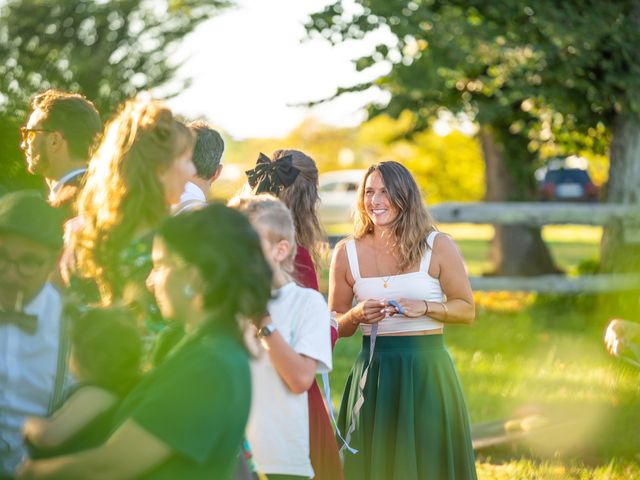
x,y
27,265
28,134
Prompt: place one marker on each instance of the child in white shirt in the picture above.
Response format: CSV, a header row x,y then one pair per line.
x,y
296,338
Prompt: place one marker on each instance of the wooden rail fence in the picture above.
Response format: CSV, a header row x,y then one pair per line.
x,y
538,214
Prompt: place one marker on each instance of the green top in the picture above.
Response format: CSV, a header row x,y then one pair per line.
x,y
196,402
133,268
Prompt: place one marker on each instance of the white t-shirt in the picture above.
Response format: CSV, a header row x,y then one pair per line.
x,y
278,428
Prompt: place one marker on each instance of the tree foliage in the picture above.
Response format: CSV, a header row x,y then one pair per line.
x,y
543,74
541,78
106,50
447,168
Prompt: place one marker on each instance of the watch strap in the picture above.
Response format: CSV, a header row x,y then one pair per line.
x,y
267,330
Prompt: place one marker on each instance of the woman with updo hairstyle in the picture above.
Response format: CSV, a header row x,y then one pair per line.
x,y
186,417
292,176
138,170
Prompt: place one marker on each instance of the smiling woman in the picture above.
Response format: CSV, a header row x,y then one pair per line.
x,y
409,420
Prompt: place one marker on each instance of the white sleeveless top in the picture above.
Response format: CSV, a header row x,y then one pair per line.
x,y
413,285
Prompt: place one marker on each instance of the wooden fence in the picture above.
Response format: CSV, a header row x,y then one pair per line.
x,y
538,214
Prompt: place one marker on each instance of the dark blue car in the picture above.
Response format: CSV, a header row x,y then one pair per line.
x,y
568,185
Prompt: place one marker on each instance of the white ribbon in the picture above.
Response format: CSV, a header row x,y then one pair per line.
x,y
360,400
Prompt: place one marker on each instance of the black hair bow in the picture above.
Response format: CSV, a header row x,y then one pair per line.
x,y
272,176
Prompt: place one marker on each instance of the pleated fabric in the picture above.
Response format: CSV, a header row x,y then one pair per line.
x,y
414,423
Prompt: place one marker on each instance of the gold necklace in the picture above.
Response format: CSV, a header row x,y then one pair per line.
x,y
385,280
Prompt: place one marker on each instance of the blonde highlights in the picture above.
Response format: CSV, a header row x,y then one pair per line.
x,y
413,223
272,215
123,194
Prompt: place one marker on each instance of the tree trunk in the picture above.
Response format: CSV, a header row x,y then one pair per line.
x,y
620,247
515,249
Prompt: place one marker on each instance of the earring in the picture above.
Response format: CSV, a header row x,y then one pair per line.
x,y
188,290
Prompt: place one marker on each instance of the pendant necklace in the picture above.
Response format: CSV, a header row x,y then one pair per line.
x,y
385,280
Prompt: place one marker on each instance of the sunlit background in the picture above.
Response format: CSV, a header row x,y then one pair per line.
x,y
533,367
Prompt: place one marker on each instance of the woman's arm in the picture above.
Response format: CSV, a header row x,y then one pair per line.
x,y
128,453
341,297
448,266
76,413
454,279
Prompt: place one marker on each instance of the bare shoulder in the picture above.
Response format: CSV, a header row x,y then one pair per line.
x,y
342,243
445,255
346,239
340,250
444,245
340,269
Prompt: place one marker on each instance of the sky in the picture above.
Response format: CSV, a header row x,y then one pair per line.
x,y
250,65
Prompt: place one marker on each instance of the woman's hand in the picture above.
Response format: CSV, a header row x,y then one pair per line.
x,y
370,311
412,308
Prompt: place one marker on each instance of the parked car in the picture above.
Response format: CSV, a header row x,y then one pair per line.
x,y
568,185
338,195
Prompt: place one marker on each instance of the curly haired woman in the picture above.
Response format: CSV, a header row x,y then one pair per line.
x,y
138,170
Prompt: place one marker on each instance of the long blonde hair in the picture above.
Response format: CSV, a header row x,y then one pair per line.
x,y
123,193
413,223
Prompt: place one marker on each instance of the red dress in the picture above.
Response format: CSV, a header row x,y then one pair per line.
x,y
323,448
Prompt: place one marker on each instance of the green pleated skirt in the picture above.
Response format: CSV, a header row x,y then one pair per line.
x,y
414,423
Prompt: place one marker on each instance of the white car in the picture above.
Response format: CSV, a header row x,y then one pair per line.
x,y
338,195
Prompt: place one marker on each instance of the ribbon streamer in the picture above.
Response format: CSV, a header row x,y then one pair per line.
x,y
360,400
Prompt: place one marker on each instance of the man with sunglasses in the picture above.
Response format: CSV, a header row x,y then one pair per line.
x,y
57,140
33,353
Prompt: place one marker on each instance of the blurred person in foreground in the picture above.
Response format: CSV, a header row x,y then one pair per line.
x,y
137,172
105,358
33,340
206,158
186,417
57,140
402,407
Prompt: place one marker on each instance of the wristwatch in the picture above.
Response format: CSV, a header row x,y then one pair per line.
x,y
267,330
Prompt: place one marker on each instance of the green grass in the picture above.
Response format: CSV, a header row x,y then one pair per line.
x,y
530,354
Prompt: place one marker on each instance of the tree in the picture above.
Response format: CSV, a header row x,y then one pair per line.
x,y
106,50
537,76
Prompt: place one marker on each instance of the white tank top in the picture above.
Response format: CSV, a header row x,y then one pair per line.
x,y
413,285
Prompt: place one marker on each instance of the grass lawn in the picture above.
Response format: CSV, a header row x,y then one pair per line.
x,y
527,354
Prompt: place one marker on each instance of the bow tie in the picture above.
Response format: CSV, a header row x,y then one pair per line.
x,y
24,321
